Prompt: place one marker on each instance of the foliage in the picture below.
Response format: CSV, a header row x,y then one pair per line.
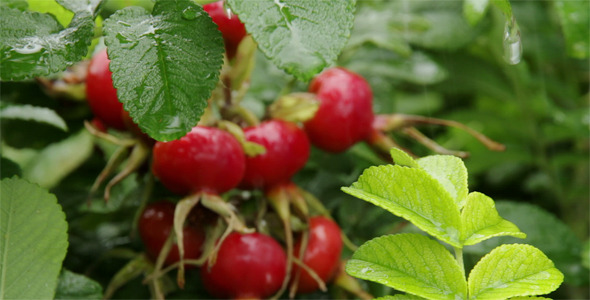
x,y
419,192
443,59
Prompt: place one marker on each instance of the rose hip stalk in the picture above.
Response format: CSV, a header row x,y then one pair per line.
x,y
155,226
203,164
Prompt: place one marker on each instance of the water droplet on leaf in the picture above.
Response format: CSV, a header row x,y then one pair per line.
x,y
190,13
512,43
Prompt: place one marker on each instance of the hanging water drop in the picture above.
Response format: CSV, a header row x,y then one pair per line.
x,y
512,43
189,13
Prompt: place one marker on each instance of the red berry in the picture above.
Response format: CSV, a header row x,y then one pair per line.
x,y
204,160
155,224
251,266
100,93
321,255
345,113
231,28
287,151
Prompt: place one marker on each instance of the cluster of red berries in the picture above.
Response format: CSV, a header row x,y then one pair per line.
x,y
211,161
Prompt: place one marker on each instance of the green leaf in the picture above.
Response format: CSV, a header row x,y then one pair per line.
x,y
401,158
418,68
33,240
575,21
8,168
481,221
301,37
80,5
34,44
19,4
164,65
450,172
62,15
513,270
413,195
544,231
474,10
33,113
504,6
76,286
58,160
412,263
400,297
369,27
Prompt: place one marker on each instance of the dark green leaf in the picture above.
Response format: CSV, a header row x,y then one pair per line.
x,y
76,286
301,37
80,5
164,65
575,21
18,4
8,168
32,113
33,240
411,263
34,44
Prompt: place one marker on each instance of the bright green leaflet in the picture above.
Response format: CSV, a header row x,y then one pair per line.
x,y
513,270
575,21
34,44
544,231
411,263
402,158
474,10
450,172
33,113
164,65
76,286
31,252
301,37
481,221
412,194
400,297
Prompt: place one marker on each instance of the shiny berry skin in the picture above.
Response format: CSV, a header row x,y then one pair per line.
x,y
205,160
248,266
155,224
345,114
232,30
287,151
322,254
100,93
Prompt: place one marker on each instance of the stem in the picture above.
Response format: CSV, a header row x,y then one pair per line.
x,y
459,258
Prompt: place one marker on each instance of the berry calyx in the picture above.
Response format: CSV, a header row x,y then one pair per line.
x,y
205,160
248,266
345,114
155,225
322,254
232,29
287,150
100,93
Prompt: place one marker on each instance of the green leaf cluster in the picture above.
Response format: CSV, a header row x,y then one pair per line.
x,y
432,193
